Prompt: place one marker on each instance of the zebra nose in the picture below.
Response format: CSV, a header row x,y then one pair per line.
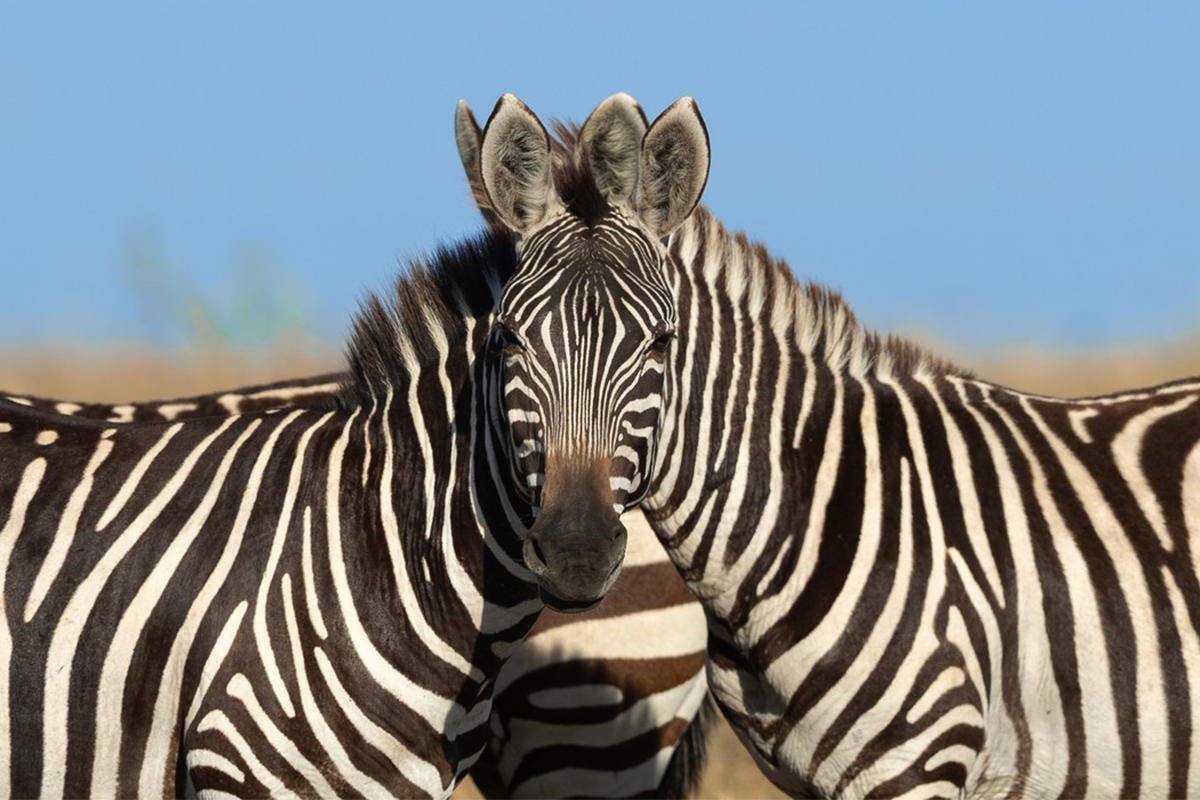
x,y
574,565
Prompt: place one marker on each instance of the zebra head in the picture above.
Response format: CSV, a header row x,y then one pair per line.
x,y
583,328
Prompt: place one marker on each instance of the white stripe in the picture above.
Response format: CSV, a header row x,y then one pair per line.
x,y
240,689
1000,733
826,480
1127,449
415,770
31,479
262,636
216,658
676,631
1079,418
950,679
1151,702
1040,698
322,734
793,666
170,411
232,402
1190,491
899,759
135,477
116,666
619,779
65,534
964,480
123,413
802,740
409,603
1190,653
439,712
157,763
207,759
217,721
65,641
310,587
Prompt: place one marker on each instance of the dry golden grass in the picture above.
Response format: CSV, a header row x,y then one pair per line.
x,y
148,374
131,374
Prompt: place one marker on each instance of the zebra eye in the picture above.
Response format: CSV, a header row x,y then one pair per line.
x,y
507,341
657,349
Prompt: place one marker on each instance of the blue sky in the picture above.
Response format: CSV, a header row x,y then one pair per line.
x,y
987,173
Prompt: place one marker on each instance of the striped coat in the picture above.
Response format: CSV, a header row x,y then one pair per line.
x,y
552,730
919,583
294,601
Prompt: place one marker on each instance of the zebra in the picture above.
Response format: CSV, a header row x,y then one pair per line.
x,y
252,592
637,710
550,724
918,583
499,407
629,713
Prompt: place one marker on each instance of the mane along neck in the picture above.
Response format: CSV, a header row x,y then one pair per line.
x,y
400,334
816,320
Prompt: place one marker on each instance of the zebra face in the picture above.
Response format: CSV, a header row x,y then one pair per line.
x,y
584,331
583,328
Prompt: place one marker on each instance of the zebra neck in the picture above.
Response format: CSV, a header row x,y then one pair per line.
x,y
459,528
762,366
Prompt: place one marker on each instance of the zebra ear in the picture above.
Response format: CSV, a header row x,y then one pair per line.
x,y
673,167
514,162
468,137
612,137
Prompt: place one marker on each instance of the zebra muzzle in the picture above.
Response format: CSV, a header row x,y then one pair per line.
x,y
575,567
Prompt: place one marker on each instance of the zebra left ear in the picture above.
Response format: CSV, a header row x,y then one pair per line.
x,y
673,167
469,137
514,162
612,137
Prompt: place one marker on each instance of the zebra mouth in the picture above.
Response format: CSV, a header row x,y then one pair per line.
x,y
555,603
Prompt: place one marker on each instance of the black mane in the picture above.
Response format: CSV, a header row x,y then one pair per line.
x,y
461,281
573,178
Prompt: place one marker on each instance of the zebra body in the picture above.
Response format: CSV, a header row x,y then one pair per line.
x,y
594,704
307,601
919,583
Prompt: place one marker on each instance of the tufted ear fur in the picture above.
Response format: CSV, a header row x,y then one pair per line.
x,y
612,138
673,167
514,162
468,136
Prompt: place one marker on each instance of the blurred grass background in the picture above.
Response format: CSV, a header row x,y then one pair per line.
x,y
195,343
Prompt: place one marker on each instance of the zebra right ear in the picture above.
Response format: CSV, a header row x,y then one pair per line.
x,y
514,162
673,167
468,137
612,137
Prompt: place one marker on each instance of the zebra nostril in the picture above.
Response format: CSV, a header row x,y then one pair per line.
x,y
535,559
